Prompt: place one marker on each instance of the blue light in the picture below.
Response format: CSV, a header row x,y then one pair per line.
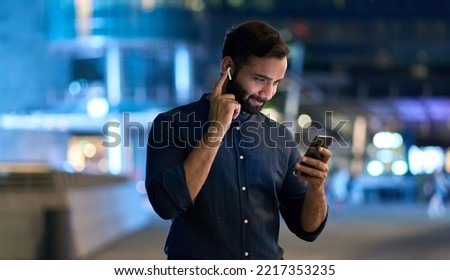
x,y
182,74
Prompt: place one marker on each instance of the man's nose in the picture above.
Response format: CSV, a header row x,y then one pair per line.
x,y
268,91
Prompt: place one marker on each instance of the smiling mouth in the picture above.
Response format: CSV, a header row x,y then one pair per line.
x,y
257,101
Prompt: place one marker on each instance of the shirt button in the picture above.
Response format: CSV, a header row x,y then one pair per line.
x,y
246,254
245,221
238,128
241,157
244,188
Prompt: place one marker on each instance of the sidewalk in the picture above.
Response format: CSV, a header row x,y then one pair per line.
x,y
374,232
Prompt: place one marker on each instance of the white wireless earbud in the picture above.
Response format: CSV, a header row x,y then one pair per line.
x,y
229,73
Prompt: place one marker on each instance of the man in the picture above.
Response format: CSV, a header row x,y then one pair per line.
x,y
223,172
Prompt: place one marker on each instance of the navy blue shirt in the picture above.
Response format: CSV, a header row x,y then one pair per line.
x,y
236,215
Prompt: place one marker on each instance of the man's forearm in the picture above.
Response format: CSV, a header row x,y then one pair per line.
x,y
198,163
315,209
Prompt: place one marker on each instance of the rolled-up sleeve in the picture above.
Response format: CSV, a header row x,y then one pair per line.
x,y
165,178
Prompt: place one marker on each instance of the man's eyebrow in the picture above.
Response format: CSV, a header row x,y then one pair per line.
x,y
263,76
267,78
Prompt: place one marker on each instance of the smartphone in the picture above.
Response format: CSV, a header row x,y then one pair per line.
x,y
313,152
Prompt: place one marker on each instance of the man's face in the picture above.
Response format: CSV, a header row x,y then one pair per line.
x,y
256,83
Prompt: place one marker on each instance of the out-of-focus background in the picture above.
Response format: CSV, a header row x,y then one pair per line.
x,y
82,80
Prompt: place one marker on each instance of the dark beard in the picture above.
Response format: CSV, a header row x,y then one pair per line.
x,y
239,92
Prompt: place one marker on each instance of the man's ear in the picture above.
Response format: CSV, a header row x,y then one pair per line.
x,y
227,63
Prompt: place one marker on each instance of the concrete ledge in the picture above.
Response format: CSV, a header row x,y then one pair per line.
x,y
99,211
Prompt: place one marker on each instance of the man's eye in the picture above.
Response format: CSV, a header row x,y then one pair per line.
x,y
260,79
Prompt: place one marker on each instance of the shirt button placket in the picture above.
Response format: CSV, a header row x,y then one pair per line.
x,y
246,253
243,188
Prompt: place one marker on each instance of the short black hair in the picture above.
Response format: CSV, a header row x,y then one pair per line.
x,y
253,38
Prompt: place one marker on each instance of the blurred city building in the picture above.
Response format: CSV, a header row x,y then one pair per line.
x,y
82,81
